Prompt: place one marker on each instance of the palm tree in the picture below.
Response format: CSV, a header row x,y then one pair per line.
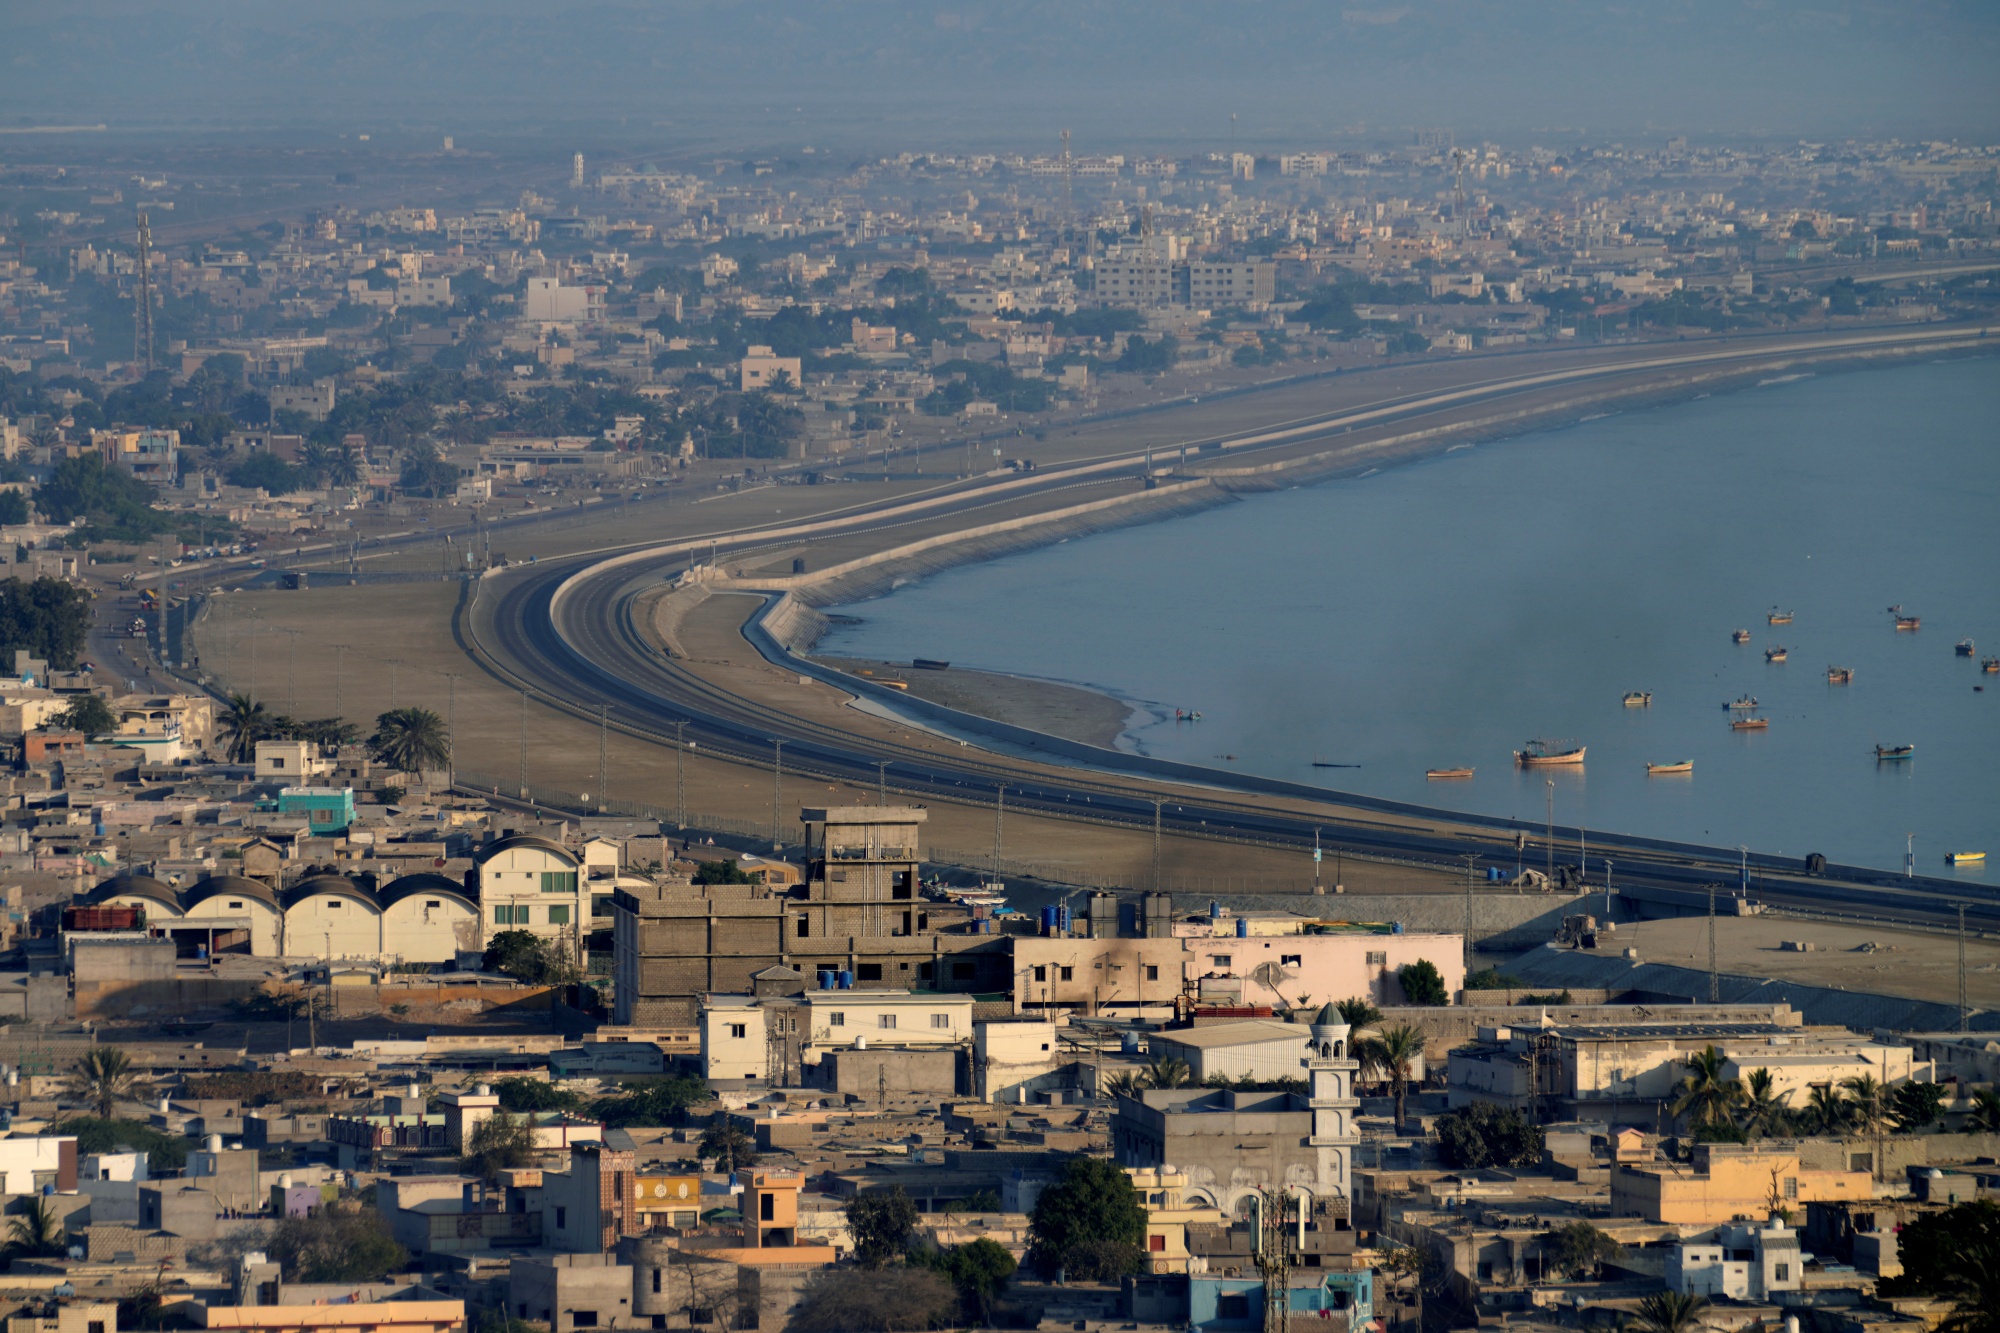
x,y
1827,1109
1167,1072
36,1233
729,1146
1670,1312
1124,1083
316,461
344,467
1706,1098
411,740
1970,1279
1984,1117
243,723
102,1076
1393,1053
1763,1110
1357,1013
1869,1105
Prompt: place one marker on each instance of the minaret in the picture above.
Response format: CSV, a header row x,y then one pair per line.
x,y
1331,1067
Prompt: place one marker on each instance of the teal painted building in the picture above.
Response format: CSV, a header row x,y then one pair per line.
x,y
327,810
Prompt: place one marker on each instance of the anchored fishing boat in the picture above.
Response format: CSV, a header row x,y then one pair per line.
x,y
1839,675
1894,751
1740,636
1963,858
1681,766
1437,774
1774,654
1747,701
1639,699
1750,724
1780,617
1538,754
1903,621
1964,648
1990,665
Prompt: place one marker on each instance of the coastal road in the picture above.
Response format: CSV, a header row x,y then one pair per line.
x,y
565,631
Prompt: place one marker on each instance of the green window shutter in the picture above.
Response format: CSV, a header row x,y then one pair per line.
x,y
559,916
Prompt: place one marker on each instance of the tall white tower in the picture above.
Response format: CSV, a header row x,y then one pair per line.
x,y
1331,1068
576,172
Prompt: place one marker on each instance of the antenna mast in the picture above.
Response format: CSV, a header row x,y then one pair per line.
x,y
1274,1259
1458,188
142,296
1069,188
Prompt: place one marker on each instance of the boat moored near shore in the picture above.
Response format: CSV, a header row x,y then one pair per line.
x,y
1780,618
1774,655
1438,774
1964,648
1538,754
1903,621
1678,766
1990,665
1740,636
1839,675
1639,699
1964,858
1883,752
1750,724
1746,701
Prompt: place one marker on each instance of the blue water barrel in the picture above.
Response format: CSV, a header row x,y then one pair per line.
x,y
1396,928
1242,928
1494,874
826,979
1214,910
846,979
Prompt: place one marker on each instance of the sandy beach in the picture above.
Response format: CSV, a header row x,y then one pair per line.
x,y
1069,711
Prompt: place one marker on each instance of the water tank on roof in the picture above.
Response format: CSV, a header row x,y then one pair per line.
x,y
846,979
213,1143
285,1181
1129,1043
1395,928
1243,927
1214,910
486,1089
861,1043
412,1090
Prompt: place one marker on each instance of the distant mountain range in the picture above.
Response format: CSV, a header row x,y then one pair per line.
x,y
792,71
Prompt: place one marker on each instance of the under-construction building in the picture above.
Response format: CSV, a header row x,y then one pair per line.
x,y
859,917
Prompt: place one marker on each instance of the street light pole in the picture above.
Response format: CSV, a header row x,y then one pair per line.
x,y
777,793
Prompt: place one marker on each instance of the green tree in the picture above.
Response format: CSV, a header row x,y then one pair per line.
x,y
411,740
662,1101
1357,1013
1827,1111
1916,1105
1481,1134
48,617
1705,1096
164,1152
1762,1110
108,499
1579,1249
720,872
1870,1103
1984,1116
1422,983
335,1245
850,1300
243,723
725,1141
265,471
13,508
532,1094
1167,1072
35,1233
1089,1223
87,713
528,958
1392,1054
1125,1083
979,1270
1670,1312
882,1223
1954,1254
501,1142
102,1077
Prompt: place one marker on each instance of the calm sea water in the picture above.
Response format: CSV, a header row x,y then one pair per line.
x,y
1440,614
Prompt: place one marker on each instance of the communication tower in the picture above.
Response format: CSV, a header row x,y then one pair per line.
x,y
576,172
1274,1258
1069,188
142,297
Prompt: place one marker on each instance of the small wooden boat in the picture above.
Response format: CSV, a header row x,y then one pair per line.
x,y
1747,701
1894,751
1780,617
1963,858
1683,766
1990,665
1750,724
1774,654
1436,774
895,684
1964,648
1639,699
1740,636
1839,675
929,664
1909,622
1537,754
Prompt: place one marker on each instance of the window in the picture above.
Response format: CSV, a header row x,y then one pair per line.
x,y
559,915
767,1208
940,1020
1219,960
1232,1307
961,971
1791,1187
1784,1273
885,1021
1041,974
1291,960
1378,959
739,1030
1065,974
333,904
1156,1243
805,928
562,1218
656,1281
1152,972
836,1020
432,904
95,1326
583,1318
868,972
558,881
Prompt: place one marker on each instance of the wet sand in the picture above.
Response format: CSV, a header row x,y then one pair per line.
x,y
1069,711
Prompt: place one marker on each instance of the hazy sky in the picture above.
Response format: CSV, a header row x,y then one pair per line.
x,y
882,74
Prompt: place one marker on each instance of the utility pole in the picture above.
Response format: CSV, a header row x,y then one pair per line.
x,y
339,669
777,794
680,775
1471,859
451,729
1069,192
142,295
881,782
1156,844
1714,980
395,663
1964,1011
999,812
1319,854
603,757
1549,838
524,745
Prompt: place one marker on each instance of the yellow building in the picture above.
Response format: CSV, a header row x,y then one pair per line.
x,y
1168,1216
669,1201
360,1317
1726,1182
70,1316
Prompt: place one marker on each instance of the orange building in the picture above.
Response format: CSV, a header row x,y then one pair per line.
x,y
371,1316
1726,1182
